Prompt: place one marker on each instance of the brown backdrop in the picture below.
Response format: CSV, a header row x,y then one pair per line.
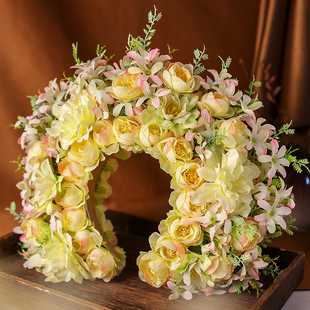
x,y
35,47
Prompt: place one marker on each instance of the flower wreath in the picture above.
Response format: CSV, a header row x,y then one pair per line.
x,y
228,199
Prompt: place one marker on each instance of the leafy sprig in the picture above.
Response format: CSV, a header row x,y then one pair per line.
x,y
12,210
198,68
74,52
135,43
225,64
285,129
253,84
100,50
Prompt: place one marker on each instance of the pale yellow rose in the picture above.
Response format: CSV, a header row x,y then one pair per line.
x,y
179,77
171,250
32,227
249,238
71,195
73,171
36,151
104,137
86,153
235,135
126,130
85,240
101,264
153,269
181,229
172,150
219,268
218,105
73,219
182,203
126,88
150,134
186,176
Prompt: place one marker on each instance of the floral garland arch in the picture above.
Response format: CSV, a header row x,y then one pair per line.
x,y
228,199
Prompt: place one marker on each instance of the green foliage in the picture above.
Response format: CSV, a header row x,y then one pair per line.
x,y
253,84
171,51
240,229
225,64
198,57
135,43
12,210
273,269
276,182
285,129
74,52
214,138
100,50
297,164
20,166
239,287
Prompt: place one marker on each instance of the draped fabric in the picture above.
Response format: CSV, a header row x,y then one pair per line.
x,y
282,46
35,47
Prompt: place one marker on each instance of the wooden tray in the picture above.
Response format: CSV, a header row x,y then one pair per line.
x,y
26,289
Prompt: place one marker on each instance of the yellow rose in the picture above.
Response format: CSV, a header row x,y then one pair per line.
x,y
85,240
86,153
217,104
36,151
125,130
242,242
153,268
32,227
73,219
172,150
171,250
150,134
126,87
181,229
235,135
182,203
219,268
104,137
186,176
72,171
179,77
71,195
101,264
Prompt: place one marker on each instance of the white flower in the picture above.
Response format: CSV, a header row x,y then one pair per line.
x,y
276,159
273,214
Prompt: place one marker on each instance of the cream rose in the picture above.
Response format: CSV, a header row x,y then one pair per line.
x,y
182,203
219,268
181,229
104,137
172,150
247,235
171,250
101,264
72,171
235,135
150,134
86,153
126,88
71,195
125,130
218,105
73,219
33,227
186,176
179,77
36,151
153,268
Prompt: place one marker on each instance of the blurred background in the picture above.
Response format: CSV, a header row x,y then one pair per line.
x,y
268,38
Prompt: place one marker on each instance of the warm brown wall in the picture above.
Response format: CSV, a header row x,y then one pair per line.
x,y
35,47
